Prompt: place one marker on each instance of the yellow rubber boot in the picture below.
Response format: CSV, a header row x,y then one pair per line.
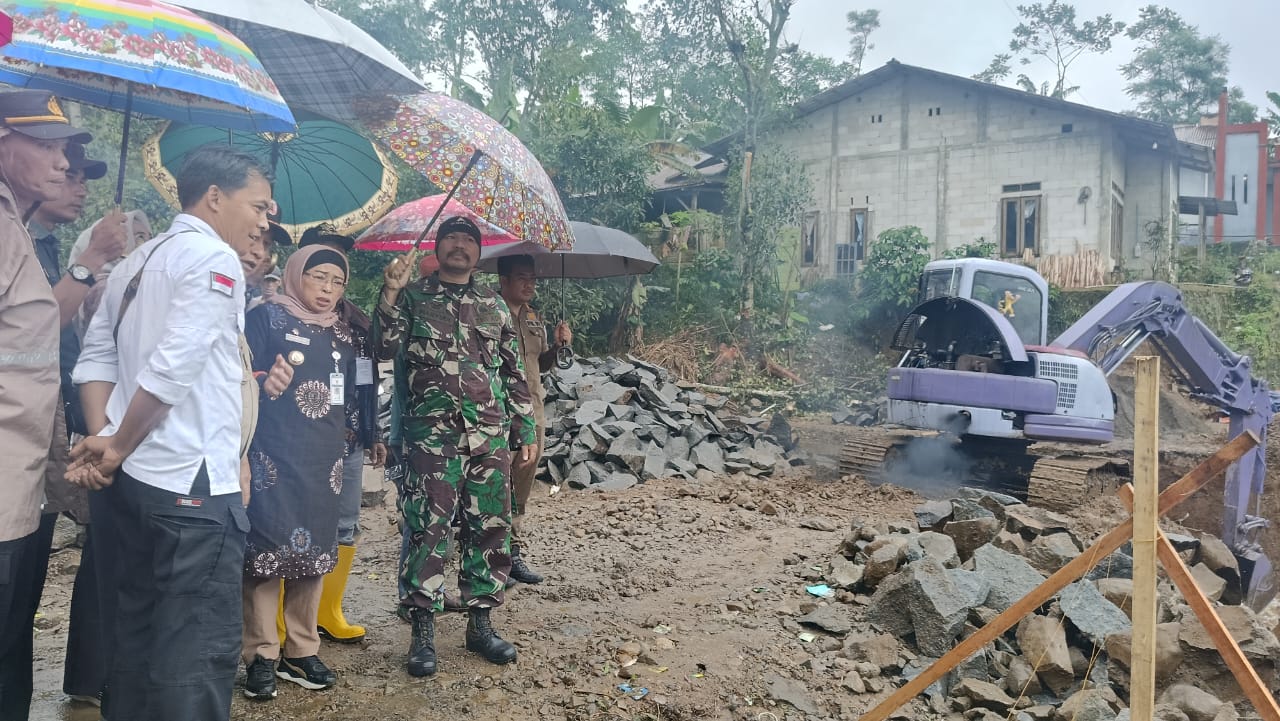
x,y
330,621
280,617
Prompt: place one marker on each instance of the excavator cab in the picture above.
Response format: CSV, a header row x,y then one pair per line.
x,y
1017,292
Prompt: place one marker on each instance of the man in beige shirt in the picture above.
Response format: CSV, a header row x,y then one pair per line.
x,y
518,283
33,168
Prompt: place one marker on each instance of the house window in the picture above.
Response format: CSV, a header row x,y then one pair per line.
x,y
1117,230
849,255
858,232
809,240
845,262
1020,225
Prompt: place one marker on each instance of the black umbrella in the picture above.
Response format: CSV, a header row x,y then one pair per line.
x,y
597,252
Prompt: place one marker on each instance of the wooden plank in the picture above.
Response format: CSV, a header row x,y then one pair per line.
x,y
1254,689
1146,484
1078,566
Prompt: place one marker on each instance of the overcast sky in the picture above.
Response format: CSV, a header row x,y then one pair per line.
x,y
961,36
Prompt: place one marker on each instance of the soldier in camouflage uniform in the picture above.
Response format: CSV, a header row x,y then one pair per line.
x,y
468,410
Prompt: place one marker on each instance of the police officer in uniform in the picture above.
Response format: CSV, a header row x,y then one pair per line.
x,y
518,282
467,411
33,169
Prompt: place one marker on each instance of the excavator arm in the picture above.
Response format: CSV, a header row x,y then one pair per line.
x,y
1151,311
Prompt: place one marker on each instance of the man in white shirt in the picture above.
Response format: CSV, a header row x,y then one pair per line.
x,y
165,405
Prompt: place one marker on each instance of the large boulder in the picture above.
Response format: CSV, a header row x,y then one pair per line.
x,y
969,535
1091,613
1119,647
1087,705
1198,705
983,694
1042,639
1009,576
925,601
1052,551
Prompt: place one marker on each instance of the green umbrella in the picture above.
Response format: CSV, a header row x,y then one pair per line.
x,y
325,171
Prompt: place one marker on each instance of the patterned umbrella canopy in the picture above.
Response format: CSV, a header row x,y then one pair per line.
x,y
324,171
457,146
399,229
143,55
319,60
6,29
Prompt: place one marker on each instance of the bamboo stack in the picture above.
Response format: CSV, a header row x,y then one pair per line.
x,y
1082,270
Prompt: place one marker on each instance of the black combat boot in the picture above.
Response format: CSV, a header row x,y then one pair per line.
x,y
422,649
482,638
520,571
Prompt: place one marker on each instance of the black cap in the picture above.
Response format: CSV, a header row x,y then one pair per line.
x,y
458,224
277,234
37,114
327,234
92,169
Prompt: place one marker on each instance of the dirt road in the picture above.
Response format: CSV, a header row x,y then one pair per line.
x,y
685,582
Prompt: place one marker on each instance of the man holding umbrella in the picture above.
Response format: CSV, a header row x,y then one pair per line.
x,y
518,281
468,409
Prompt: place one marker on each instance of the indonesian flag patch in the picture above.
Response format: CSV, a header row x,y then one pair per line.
x,y
221,283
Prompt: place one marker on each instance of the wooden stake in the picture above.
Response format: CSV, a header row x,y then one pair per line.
x,y
1146,483
1254,689
1078,566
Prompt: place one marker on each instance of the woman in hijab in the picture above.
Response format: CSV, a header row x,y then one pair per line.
x,y
137,232
296,466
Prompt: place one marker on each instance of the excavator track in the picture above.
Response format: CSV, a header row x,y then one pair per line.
x,y
1064,482
868,452
1058,482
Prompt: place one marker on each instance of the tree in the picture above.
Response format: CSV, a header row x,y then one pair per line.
x,y
1273,114
861,24
997,70
1176,73
1050,31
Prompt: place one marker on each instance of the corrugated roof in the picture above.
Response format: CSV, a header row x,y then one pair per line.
x,y
1206,135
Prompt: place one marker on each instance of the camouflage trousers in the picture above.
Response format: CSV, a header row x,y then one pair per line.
x,y
475,488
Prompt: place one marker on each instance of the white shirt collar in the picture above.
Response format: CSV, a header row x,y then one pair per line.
x,y
197,225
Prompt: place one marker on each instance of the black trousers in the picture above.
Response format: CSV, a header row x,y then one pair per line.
x,y
23,563
174,631
85,668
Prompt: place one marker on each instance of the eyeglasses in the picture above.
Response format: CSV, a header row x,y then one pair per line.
x,y
323,280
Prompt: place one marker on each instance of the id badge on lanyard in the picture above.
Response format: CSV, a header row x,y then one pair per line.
x,y
337,384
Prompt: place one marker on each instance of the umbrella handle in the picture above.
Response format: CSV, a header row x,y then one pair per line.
x,y
564,357
124,142
440,209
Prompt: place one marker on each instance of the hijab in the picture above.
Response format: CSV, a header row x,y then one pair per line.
x,y
134,221
298,264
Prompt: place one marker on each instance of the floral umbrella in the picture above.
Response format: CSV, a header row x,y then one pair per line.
x,y
142,55
480,163
325,172
399,229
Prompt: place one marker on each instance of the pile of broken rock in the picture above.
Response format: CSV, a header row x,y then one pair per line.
x,y
906,592
612,423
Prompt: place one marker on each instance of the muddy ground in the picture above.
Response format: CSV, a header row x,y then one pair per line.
x,y
688,588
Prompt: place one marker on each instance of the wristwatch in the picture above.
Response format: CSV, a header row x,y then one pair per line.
x,y
81,274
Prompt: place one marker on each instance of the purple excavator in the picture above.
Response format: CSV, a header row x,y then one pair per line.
x,y
978,385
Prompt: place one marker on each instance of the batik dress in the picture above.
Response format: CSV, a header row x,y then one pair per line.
x,y
297,453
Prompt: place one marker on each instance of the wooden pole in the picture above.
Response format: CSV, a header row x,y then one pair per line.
x,y
1146,483
1254,689
1078,566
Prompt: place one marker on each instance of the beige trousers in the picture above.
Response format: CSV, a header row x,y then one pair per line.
x,y
262,603
522,486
